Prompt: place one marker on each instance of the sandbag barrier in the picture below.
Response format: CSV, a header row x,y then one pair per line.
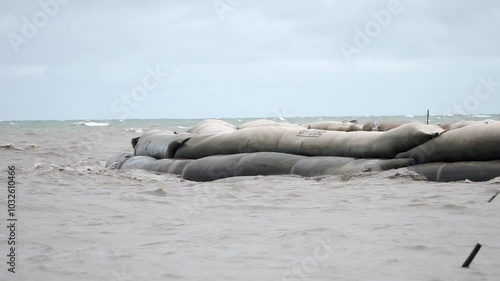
x,y
299,141
252,164
215,149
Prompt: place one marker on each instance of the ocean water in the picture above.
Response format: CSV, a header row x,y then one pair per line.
x,y
80,221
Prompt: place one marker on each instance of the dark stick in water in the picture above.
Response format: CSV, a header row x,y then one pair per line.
x,y
493,197
472,255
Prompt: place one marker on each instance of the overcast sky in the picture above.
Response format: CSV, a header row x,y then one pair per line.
x,y
247,58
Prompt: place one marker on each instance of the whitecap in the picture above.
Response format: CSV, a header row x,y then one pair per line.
x,y
92,124
181,127
480,116
9,146
138,130
410,116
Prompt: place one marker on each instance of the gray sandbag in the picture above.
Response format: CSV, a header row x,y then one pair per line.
x,y
212,126
266,163
116,161
462,124
458,171
160,144
381,127
137,162
310,142
177,167
358,144
344,126
159,165
321,165
127,161
267,123
479,142
169,166
249,140
212,168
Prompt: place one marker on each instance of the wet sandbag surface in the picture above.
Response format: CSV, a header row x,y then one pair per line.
x,y
267,163
212,168
160,144
321,165
116,161
446,172
479,142
244,164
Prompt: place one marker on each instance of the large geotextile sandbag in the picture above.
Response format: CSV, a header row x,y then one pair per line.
x,y
126,161
462,124
241,141
212,167
169,166
211,126
458,171
177,166
253,164
310,142
244,164
160,144
330,165
335,126
116,161
479,142
266,163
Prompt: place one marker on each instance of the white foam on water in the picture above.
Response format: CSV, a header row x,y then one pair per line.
x,y
92,124
481,116
138,130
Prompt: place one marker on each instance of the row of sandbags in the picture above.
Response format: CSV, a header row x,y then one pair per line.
x,y
423,143
291,140
265,147
252,164
218,126
271,163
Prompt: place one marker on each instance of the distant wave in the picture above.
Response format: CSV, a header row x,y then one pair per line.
x,y
134,130
92,124
481,116
181,127
410,116
9,146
